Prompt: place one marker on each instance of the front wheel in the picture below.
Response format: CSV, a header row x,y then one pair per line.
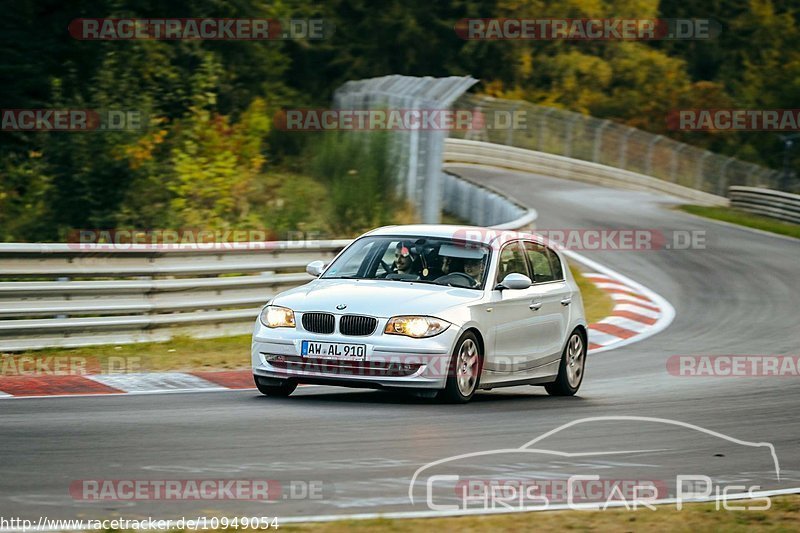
x,y
570,370
464,371
274,387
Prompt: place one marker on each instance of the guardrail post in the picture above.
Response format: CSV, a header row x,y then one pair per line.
x,y
510,133
675,156
724,180
542,120
568,138
698,173
650,152
598,141
623,147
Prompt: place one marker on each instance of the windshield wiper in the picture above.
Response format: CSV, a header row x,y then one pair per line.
x,y
415,281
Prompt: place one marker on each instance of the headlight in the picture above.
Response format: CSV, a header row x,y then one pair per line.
x,y
275,316
415,326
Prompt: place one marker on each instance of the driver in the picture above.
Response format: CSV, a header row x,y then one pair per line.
x,y
404,259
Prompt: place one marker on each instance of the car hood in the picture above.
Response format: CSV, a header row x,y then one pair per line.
x,y
378,298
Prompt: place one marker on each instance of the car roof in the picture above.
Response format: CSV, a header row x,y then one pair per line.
x,y
468,233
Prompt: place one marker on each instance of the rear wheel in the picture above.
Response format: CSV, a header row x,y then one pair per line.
x,y
570,370
274,387
464,372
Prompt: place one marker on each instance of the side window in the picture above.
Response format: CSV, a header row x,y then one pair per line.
x,y
540,262
512,261
558,270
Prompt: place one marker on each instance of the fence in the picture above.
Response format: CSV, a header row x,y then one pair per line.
x,y
774,204
416,153
577,136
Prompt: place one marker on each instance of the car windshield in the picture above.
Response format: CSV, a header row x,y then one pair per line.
x,y
441,261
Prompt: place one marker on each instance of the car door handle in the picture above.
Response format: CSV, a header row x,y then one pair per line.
x,y
567,300
535,306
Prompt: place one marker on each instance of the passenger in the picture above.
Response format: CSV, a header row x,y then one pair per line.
x,y
452,264
474,269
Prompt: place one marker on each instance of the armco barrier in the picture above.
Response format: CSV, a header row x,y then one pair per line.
x,y
53,297
498,155
77,295
775,204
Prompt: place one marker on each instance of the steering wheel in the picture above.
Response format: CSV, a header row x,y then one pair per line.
x,y
457,276
387,268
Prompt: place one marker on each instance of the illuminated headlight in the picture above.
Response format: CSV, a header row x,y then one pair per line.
x,y
415,326
274,316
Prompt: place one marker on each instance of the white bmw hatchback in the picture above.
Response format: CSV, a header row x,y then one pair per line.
x,y
443,309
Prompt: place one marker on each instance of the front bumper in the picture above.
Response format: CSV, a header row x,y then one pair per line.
x,y
391,360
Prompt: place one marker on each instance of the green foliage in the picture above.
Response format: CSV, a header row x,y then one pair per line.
x,y
208,156
356,167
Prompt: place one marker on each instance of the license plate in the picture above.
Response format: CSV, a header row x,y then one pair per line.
x,y
334,350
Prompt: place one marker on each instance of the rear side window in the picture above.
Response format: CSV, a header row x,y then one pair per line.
x,y
558,270
546,266
512,261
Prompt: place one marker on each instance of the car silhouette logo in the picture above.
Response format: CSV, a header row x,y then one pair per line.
x,y
341,306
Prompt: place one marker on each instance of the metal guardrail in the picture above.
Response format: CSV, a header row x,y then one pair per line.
x,y
77,295
775,204
482,206
52,297
498,155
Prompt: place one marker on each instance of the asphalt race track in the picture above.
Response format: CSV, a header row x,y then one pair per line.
x,y
356,451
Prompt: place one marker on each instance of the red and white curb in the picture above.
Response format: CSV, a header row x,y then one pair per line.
x,y
633,314
132,383
638,313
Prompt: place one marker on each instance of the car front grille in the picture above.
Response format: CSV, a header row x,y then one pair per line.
x,y
318,322
357,325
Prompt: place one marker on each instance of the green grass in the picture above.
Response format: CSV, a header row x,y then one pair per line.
x,y
783,516
742,218
596,302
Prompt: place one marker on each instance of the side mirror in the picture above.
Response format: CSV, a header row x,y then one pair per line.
x,y
315,268
515,281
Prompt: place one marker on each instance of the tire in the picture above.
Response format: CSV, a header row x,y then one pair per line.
x,y
464,371
572,366
274,387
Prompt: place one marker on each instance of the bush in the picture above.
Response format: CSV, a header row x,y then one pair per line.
x,y
357,168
